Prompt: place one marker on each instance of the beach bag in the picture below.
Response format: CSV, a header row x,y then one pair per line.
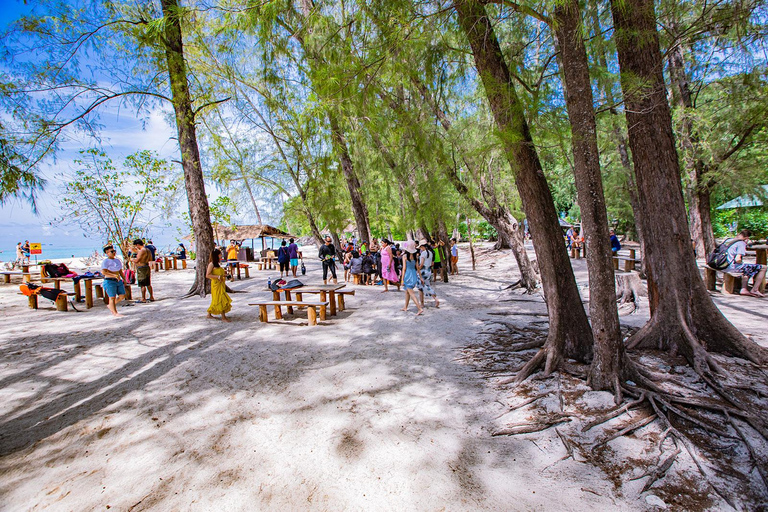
x,y
293,283
277,285
718,260
130,276
303,268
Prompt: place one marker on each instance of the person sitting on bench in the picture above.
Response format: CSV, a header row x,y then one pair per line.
x,y
615,244
736,253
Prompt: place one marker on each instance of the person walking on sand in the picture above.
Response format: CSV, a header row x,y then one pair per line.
x,y
221,304
232,262
388,273
454,257
283,259
114,281
293,253
143,272
425,273
327,255
410,276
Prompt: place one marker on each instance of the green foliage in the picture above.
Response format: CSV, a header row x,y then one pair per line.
x,y
755,219
119,203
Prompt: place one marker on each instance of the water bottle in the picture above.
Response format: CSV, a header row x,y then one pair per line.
x,y
269,283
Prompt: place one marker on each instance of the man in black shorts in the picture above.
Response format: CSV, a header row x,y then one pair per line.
x,y
143,272
327,254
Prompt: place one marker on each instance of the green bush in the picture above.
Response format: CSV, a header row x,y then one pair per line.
x,y
753,219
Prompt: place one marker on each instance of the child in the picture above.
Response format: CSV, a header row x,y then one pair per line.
x,y
221,304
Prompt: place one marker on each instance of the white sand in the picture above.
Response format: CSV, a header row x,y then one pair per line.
x,y
371,410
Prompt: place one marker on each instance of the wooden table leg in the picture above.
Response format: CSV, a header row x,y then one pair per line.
x,y
238,271
322,312
275,295
761,256
288,297
340,302
128,292
88,294
33,301
332,299
312,315
278,313
175,267
78,291
299,296
247,272
99,292
57,285
6,278
184,264
263,314
61,302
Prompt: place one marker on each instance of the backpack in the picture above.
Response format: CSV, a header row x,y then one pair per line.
x,y
303,268
277,285
130,276
718,260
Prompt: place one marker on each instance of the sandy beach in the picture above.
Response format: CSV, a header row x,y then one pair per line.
x,y
374,409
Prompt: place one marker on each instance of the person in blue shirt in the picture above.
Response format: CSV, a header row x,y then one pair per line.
x,y
615,244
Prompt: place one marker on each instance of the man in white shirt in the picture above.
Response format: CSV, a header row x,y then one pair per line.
x,y
113,285
736,253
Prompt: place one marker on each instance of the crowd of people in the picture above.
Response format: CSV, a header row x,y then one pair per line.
x,y
412,267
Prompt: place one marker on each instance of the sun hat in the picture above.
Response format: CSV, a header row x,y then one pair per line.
x,y
410,246
423,241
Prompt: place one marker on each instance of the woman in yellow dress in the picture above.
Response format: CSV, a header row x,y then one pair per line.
x,y
221,304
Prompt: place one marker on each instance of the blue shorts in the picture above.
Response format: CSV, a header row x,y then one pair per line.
x,y
113,287
294,262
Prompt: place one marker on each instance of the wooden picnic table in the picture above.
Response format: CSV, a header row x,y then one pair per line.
x,y
8,273
327,292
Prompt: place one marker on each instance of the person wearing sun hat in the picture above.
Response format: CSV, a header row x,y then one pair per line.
x,y
425,273
409,276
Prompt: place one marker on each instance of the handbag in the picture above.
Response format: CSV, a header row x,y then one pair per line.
x,y
303,268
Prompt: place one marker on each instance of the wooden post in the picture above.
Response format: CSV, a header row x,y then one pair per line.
x,y
288,297
238,271
263,313
322,312
332,299
88,294
6,278
340,298
247,272
175,267
33,301
56,284
275,295
278,312
731,283
710,278
61,302
78,291
299,296
184,264
615,263
312,315
99,292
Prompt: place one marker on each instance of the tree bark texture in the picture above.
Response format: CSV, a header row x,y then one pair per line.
x,y
569,334
359,209
683,317
194,183
608,350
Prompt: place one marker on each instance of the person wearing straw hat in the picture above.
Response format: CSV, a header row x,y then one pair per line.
x,y
410,277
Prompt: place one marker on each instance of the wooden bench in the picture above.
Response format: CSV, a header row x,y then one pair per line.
x,y
8,273
339,296
731,280
61,301
578,250
311,309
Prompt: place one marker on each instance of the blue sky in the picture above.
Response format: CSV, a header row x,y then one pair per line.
x,y
123,133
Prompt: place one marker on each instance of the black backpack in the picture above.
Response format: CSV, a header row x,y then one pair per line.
x,y
718,260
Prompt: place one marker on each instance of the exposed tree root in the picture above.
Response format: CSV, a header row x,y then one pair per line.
x,y
543,423
658,472
628,429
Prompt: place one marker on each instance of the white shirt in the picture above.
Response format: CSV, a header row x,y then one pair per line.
x,y
112,264
426,259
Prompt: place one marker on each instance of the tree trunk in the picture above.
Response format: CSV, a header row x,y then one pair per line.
x,y
471,243
683,317
569,334
606,366
194,183
359,209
